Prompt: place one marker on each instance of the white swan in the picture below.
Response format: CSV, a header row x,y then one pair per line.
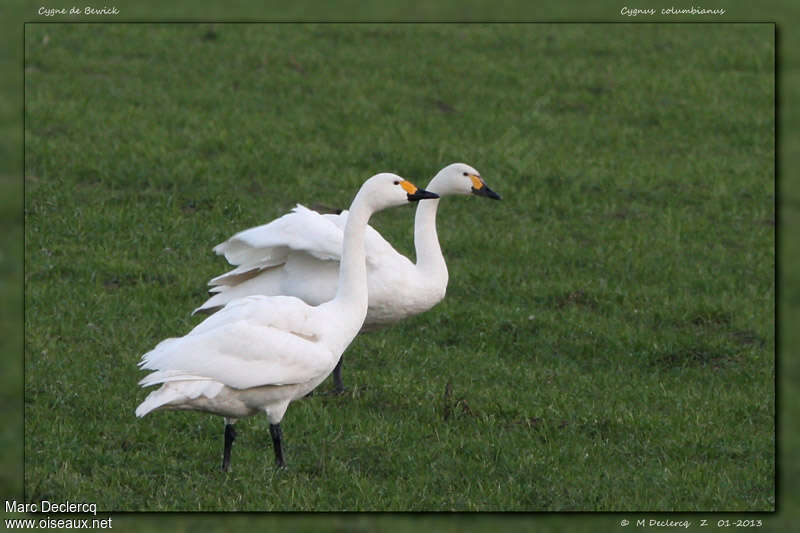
x,y
261,352
298,253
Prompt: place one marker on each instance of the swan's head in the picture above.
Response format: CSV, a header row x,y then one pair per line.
x,y
460,178
387,190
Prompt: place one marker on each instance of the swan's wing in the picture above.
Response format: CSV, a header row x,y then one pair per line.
x,y
239,354
251,342
301,229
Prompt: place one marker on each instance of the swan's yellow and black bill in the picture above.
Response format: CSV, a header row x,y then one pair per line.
x,y
415,193
479,188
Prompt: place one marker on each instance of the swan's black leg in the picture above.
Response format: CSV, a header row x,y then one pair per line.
x,y
230,435
277,443
338,385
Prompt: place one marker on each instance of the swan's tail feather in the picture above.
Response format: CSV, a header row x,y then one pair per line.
x,y
222,298
267,282
213,304
177,389
154,400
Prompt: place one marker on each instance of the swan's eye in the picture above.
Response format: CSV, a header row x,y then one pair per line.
x,y
466,173
396,182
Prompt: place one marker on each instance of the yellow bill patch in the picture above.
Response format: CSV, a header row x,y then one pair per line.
x,y
476,181
409,187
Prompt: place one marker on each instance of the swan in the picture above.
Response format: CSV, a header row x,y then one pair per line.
x,y
260,352
298,254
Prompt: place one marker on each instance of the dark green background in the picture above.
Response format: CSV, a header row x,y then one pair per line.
x,y
785,13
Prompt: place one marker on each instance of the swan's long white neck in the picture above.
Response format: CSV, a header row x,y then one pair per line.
x,y
430,260
352,291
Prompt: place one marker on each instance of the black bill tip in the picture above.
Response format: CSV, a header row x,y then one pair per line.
x,y
487,192
421,194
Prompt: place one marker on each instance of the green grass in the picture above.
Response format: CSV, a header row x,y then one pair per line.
x,y
607,339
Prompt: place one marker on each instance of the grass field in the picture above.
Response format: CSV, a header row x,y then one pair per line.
x,y
607,339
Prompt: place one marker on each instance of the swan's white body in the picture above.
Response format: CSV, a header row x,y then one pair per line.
x,y
260,353
298,255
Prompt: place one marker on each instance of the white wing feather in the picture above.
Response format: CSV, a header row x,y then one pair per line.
x,y
252,342
269,244
303,230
